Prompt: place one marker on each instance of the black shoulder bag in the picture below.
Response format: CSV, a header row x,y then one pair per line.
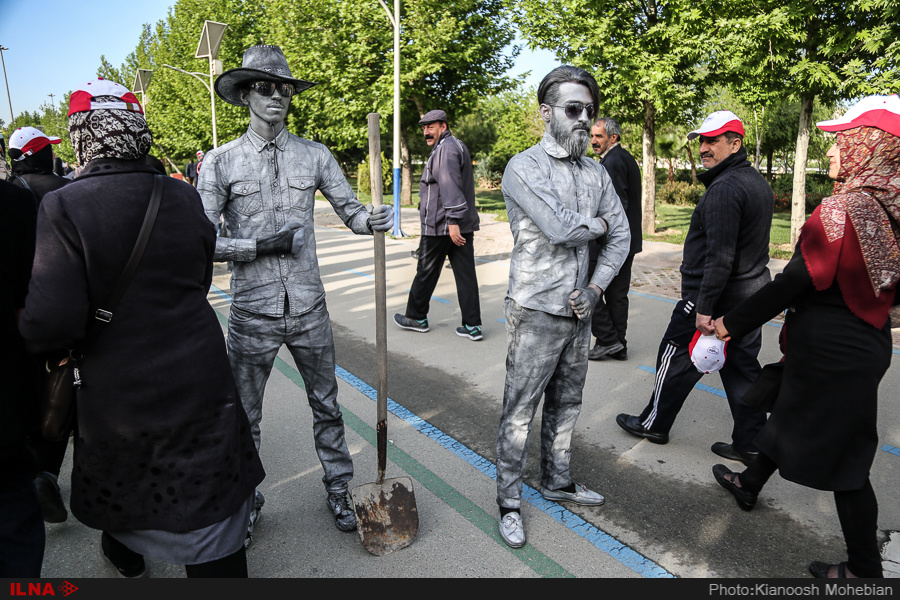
x,y
62,378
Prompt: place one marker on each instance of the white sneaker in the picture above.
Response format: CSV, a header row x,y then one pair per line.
x,y
512,530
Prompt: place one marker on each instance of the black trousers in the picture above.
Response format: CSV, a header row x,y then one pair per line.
x,y
22,534
857,511
676,376
610,318
433,249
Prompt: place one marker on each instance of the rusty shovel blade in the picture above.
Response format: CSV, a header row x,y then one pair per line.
x,y
386,515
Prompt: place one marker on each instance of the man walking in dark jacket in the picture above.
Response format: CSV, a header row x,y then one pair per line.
x,y
610,319
449,218
725,256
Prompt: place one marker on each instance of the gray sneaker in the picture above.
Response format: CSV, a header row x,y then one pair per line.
x,y
581,495
512,530
405,322
344,517
473,333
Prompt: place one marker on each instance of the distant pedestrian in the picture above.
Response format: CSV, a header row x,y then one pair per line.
x,y
32,161
557,200
610,321
725,256
449,220
190,171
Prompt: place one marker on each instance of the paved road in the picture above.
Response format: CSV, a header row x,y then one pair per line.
x,y
664,517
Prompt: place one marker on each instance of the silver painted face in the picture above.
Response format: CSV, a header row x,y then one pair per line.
x,y
572,134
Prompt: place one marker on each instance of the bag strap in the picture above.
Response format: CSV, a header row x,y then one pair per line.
x,y
105,315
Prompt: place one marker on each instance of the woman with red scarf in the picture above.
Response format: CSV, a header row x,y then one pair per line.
x,y
838,288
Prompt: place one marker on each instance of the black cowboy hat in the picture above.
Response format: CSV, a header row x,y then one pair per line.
x,y
260,63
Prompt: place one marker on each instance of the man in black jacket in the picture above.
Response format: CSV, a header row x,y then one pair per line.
x,y
449,220
725,256
610,319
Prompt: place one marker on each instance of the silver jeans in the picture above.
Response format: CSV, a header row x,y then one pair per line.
x,y
253,343
547,355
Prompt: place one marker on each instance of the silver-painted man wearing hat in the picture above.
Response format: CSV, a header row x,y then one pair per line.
x,y
263,184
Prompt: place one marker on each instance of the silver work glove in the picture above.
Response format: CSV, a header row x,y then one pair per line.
x,y
381,217
287,239
583,301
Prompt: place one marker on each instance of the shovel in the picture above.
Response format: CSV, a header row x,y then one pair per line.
x,y
386,514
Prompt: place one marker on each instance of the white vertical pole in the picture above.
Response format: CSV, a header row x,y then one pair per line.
x,y
397,232
212,99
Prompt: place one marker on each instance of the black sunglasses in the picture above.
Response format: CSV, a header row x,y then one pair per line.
x,y
267,88
574,109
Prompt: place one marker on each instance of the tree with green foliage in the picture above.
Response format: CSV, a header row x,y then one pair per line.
x,y
813,50
646,55
451,54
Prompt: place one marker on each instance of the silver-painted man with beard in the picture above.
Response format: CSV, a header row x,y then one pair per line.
x,y
557,200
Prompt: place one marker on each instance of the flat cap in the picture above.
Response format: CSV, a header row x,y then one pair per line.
x,y
433,116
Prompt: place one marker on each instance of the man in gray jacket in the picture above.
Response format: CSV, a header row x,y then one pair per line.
x,y
449,218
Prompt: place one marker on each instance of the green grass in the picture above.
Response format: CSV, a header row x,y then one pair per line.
x,y
673,222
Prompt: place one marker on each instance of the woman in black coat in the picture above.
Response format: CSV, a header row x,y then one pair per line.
x,y
163,463
839,288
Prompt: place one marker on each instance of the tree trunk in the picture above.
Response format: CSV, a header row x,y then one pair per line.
x,y
648,186
405,171
690,154
770,160
798,200
759,134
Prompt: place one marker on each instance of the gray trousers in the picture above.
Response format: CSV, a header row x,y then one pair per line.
x,y
253,343
547,356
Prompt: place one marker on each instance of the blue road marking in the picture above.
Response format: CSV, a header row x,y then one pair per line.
x,y
600,539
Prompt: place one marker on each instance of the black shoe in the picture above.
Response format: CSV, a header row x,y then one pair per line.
x,y
728,451
620,355
127,562
344,517
49,498
746,500
820,569
632,425
599,352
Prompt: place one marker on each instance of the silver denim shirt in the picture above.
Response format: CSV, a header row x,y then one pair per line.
x,y
259,186
553,203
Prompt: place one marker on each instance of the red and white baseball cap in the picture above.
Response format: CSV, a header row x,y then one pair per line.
x,y
28,140
707,352
718,123
881,112
83,99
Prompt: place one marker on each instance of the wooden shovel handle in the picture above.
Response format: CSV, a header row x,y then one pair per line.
x,y
380,297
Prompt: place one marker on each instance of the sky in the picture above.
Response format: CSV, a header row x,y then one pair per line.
x,y
54,46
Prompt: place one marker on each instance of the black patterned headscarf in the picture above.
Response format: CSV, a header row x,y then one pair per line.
x,y
109,133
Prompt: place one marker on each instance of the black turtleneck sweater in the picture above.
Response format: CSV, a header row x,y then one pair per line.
x,y
727,246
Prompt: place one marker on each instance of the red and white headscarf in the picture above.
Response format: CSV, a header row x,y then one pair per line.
x,y
853,237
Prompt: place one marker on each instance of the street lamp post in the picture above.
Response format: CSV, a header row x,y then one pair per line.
x,y
208,47
8,97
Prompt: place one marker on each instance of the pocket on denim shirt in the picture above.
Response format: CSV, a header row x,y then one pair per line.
x,y
303,191
246,198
